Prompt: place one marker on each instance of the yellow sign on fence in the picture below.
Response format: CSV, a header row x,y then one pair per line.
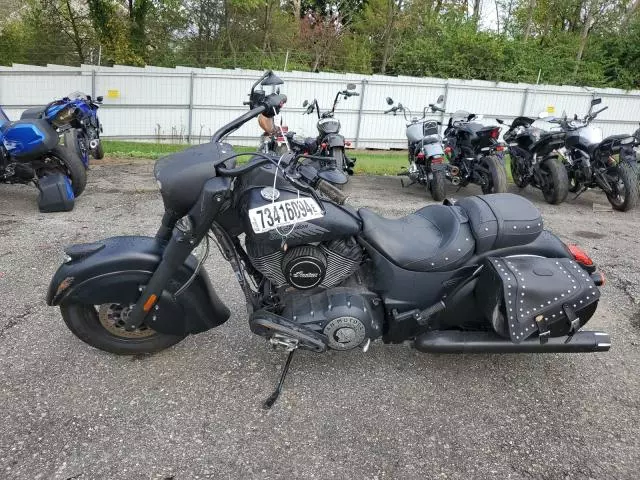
x,y
113,93
551,109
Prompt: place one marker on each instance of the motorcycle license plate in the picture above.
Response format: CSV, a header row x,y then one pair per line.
x,y
283,213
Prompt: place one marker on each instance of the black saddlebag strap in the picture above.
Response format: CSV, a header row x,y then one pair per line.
x,y
543,294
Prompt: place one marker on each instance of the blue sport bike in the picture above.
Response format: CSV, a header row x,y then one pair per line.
x,y
30,150
75,117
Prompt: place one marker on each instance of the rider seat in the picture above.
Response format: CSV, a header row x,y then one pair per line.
x,y
33,112
440,237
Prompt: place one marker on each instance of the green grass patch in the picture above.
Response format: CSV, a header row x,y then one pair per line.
x,y
368,162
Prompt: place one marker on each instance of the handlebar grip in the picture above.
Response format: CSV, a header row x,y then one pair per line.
x,y
389,111
246,103
355,94
332,192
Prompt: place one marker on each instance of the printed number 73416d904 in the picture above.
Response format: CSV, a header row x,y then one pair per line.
x,y
283,213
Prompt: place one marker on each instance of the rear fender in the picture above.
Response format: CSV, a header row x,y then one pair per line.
x,y
114,270
334,140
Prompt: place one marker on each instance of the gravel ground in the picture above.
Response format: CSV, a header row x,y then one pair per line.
x,y
193,411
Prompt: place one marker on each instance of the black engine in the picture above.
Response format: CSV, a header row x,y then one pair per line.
x,y
305,267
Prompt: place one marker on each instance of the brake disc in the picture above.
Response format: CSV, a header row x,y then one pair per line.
x,y
113,317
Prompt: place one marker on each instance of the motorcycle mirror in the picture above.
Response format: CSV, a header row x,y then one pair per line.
x,y
440,99
575,116
272,79
389,101
596,101
100,98
500,121
305,103
351,86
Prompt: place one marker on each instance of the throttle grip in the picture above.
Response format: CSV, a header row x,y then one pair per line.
x,y
332,192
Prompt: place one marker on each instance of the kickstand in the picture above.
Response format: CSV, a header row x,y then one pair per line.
x,y
581,192
268,403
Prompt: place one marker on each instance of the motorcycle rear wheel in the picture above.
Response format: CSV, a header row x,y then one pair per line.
x,y
64,160
437,186
557,183
497,181
102,329
627,179
519,179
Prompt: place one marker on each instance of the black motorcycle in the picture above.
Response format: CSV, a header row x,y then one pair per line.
x,y
630,154
534,160
590,163
330,143
425,151
480,275
472,149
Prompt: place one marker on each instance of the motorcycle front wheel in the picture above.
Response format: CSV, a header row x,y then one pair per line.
x,y
518,178
102,327
555,187
496,180
625,189
98,152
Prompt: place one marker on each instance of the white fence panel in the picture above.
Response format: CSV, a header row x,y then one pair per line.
x,y
190,103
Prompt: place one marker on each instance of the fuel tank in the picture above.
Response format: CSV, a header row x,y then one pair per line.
x,y
337,222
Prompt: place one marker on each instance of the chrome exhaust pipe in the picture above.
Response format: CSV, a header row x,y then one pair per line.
x,y
488,342
455,171
93,144
455,180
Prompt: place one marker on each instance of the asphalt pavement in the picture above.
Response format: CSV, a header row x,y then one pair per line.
x,y
68,411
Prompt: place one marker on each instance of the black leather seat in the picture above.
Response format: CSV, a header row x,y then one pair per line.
x,y
182,175
435,237
501,220
440,238
33,112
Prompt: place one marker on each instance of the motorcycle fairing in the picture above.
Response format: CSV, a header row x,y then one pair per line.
x,y
114,270
29,139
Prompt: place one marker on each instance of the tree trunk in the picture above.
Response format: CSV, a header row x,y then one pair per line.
x,y
76,35
584,36
297,9
476,12
388,34
227,27
527,31
631,9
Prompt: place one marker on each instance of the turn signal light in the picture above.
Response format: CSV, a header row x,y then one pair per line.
x,y
324,146
580,256
448,150
420,156
599,279
348,144
495,133
500,148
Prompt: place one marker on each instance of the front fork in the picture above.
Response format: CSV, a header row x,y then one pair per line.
x,y
184,235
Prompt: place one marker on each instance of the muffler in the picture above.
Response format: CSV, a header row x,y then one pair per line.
x,y
455,180
454,171
93,144
489,342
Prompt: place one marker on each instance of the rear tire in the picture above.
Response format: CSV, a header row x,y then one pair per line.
x,y
497,181
558,182
627,179
69,164
518,179
84,322
437,186
77,143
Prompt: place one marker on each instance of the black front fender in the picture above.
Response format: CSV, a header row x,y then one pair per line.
x,y
115,269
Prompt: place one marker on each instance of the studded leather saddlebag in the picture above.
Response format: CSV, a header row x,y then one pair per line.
x,y
526,295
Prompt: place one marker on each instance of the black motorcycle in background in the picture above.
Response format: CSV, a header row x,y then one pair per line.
x,y
590,161
330,142
534,160
472,148
630,154
425,151
480,275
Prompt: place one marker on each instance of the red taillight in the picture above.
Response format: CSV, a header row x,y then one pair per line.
x,y
500,148
448,150
580,256
420,156
437,160
495,133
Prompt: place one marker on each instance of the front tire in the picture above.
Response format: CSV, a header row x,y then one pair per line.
x,y
76,142
497,176
437,186
556,186
625,196
518,178
98,153
100,329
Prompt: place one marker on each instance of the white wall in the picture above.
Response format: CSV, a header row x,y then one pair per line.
x,y
160,102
